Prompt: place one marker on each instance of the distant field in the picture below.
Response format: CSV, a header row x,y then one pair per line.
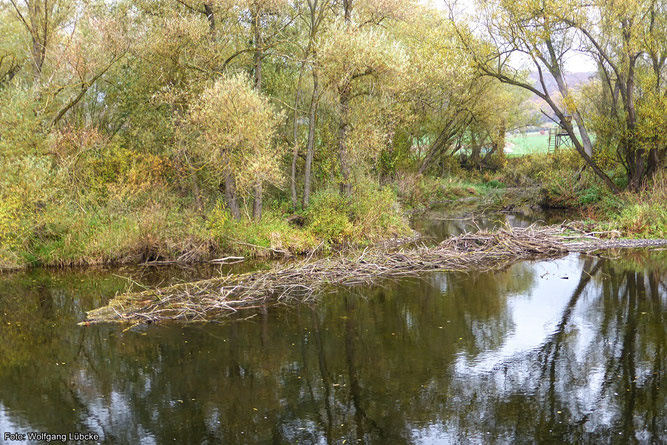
x,y
528,143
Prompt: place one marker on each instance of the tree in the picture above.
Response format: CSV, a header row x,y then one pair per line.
x,y
266,28
621,36
530,29
357,57
627,41
317,12
237,129
41,19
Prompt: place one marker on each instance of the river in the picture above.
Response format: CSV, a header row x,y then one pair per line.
x,y
564,351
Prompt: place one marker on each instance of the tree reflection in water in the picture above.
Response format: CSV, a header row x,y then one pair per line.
x,y
521,355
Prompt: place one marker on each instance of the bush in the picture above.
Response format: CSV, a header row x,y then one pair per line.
x,y
12,229
376,214
246,237
328,217
643,220
369,215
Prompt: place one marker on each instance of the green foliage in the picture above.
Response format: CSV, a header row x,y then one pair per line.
x,y
369,215
376,214
328,217
236,128
643,221
273,235
12,229
119,139
21,132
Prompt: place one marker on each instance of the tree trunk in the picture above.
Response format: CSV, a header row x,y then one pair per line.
x,y
257,205
39,21
295,149
258,50
312,118
636,157
38,55
344,109
343,128
347,9
580,148
230,196
440,144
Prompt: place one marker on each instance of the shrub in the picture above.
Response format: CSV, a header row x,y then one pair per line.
x,y
257,238
328,217
369,215
376,214
12,229
645,215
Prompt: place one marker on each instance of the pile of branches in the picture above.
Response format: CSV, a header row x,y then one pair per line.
x,y
219,297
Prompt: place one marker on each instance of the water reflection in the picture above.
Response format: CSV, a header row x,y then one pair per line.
x,y
440,225
570,350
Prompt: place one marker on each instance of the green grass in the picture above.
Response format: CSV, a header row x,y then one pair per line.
x,y
528,143
531,143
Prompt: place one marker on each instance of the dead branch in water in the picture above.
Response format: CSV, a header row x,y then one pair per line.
x,y
219,297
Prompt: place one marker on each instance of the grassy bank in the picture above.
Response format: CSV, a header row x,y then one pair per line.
x,y
161,226
556,181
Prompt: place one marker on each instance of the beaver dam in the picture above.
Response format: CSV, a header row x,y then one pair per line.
x,y
220,297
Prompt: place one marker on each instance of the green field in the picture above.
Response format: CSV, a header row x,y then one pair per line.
x,y
527,143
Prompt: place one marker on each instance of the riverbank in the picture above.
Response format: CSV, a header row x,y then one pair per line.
x,y
221,297
154,227
157,226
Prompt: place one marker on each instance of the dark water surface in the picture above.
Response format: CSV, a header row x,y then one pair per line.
x,y
571,350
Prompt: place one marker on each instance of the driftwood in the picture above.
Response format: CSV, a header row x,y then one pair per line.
x,y
219,297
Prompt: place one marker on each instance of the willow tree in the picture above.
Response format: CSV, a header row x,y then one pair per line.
x,y
531,30
358,58
237,129
42,19
624,37
628,41
316,16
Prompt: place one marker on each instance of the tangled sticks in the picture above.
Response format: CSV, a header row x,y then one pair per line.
x,y
219,297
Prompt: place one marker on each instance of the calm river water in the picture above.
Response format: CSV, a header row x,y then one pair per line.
x,y
570,350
